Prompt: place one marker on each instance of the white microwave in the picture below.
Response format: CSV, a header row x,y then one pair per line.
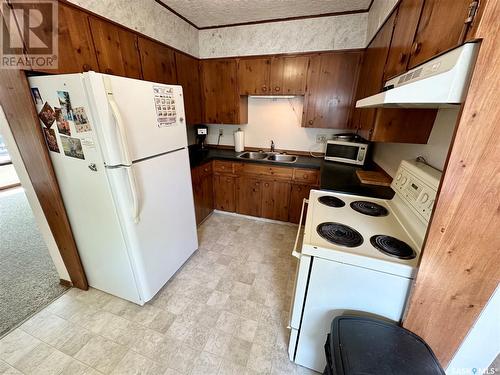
x,y
346,151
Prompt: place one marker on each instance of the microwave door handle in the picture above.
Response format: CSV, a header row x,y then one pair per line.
x,y
296,253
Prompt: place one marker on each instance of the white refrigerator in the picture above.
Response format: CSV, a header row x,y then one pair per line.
x,y
119,151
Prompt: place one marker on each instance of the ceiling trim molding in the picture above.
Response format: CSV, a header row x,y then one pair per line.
x,y
332,14
177,14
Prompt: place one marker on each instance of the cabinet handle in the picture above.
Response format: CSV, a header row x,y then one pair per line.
x,y
277,88
86,67
402,58
417,47
311,122
108,71
264,88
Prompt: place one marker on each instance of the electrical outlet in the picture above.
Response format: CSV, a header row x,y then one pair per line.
x,y
221,132
321,138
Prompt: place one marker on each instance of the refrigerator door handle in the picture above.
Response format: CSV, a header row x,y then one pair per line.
x,y
135,194
119,121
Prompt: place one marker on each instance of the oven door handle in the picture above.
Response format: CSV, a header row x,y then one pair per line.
x,y
296,253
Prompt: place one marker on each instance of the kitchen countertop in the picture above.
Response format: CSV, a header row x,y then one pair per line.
x,y
198,157
342,178
334,176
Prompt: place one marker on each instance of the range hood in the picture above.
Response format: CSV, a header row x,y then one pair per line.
x,y
439,83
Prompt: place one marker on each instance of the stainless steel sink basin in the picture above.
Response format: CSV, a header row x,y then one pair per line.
x,y
282,158
266,156
254,155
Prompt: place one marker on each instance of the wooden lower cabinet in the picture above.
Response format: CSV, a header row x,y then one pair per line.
x,y
297,194
203,191
224,193
275,200
249,196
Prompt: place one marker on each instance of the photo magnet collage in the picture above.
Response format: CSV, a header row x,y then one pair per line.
x,y
63,116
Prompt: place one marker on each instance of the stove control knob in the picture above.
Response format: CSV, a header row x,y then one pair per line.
x,y
398,177
404,180
425,198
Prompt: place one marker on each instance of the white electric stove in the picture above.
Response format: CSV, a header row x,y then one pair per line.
x,y
358,255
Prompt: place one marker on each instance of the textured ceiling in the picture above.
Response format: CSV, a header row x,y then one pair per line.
x,y
206,13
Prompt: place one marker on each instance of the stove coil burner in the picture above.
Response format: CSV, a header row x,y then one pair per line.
x,y
369,208
393,247
339,234
330,201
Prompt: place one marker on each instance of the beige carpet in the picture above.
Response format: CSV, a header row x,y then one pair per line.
x,y
28,278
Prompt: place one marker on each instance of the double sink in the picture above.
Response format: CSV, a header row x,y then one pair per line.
x,y
268,156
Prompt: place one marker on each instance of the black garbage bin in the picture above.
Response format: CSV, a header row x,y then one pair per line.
x,y
358,345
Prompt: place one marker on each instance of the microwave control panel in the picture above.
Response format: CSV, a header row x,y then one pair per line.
x,y
417,183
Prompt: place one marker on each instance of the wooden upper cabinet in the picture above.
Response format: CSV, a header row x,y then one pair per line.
x,y
116,49
188,76
222,103
442,26
371,76
288,75
406,23
75,51
157,61
253,76
331,83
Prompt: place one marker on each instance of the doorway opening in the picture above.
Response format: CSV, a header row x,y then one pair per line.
x,y
29,279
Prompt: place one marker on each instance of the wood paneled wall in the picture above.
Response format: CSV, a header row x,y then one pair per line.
x,y
460,265
15,98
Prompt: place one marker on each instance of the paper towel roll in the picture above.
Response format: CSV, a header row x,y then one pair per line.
x,y
239,140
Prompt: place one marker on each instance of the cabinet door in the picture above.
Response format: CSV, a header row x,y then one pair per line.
x,y
158,62
253,76
224,193
288,75
406,23
76,50
297,195
207,191
275,200
371,76
442,26
188,76
331,83
221,100
116,49
249,196
197,194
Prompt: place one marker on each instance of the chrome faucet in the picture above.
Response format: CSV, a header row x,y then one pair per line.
x,y
272,145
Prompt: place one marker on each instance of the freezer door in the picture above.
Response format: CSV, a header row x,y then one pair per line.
x,y
162,235
136,119
84,187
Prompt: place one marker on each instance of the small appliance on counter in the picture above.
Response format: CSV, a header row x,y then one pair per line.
x,y
347,148
239,140
201,135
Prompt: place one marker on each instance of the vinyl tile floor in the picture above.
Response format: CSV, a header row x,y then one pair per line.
x,y
224,312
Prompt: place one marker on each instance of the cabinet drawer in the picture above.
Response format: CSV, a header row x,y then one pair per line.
x,y
223,166
306,176
205,169
265,170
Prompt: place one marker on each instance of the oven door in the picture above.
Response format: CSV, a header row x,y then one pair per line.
x,y
300,287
